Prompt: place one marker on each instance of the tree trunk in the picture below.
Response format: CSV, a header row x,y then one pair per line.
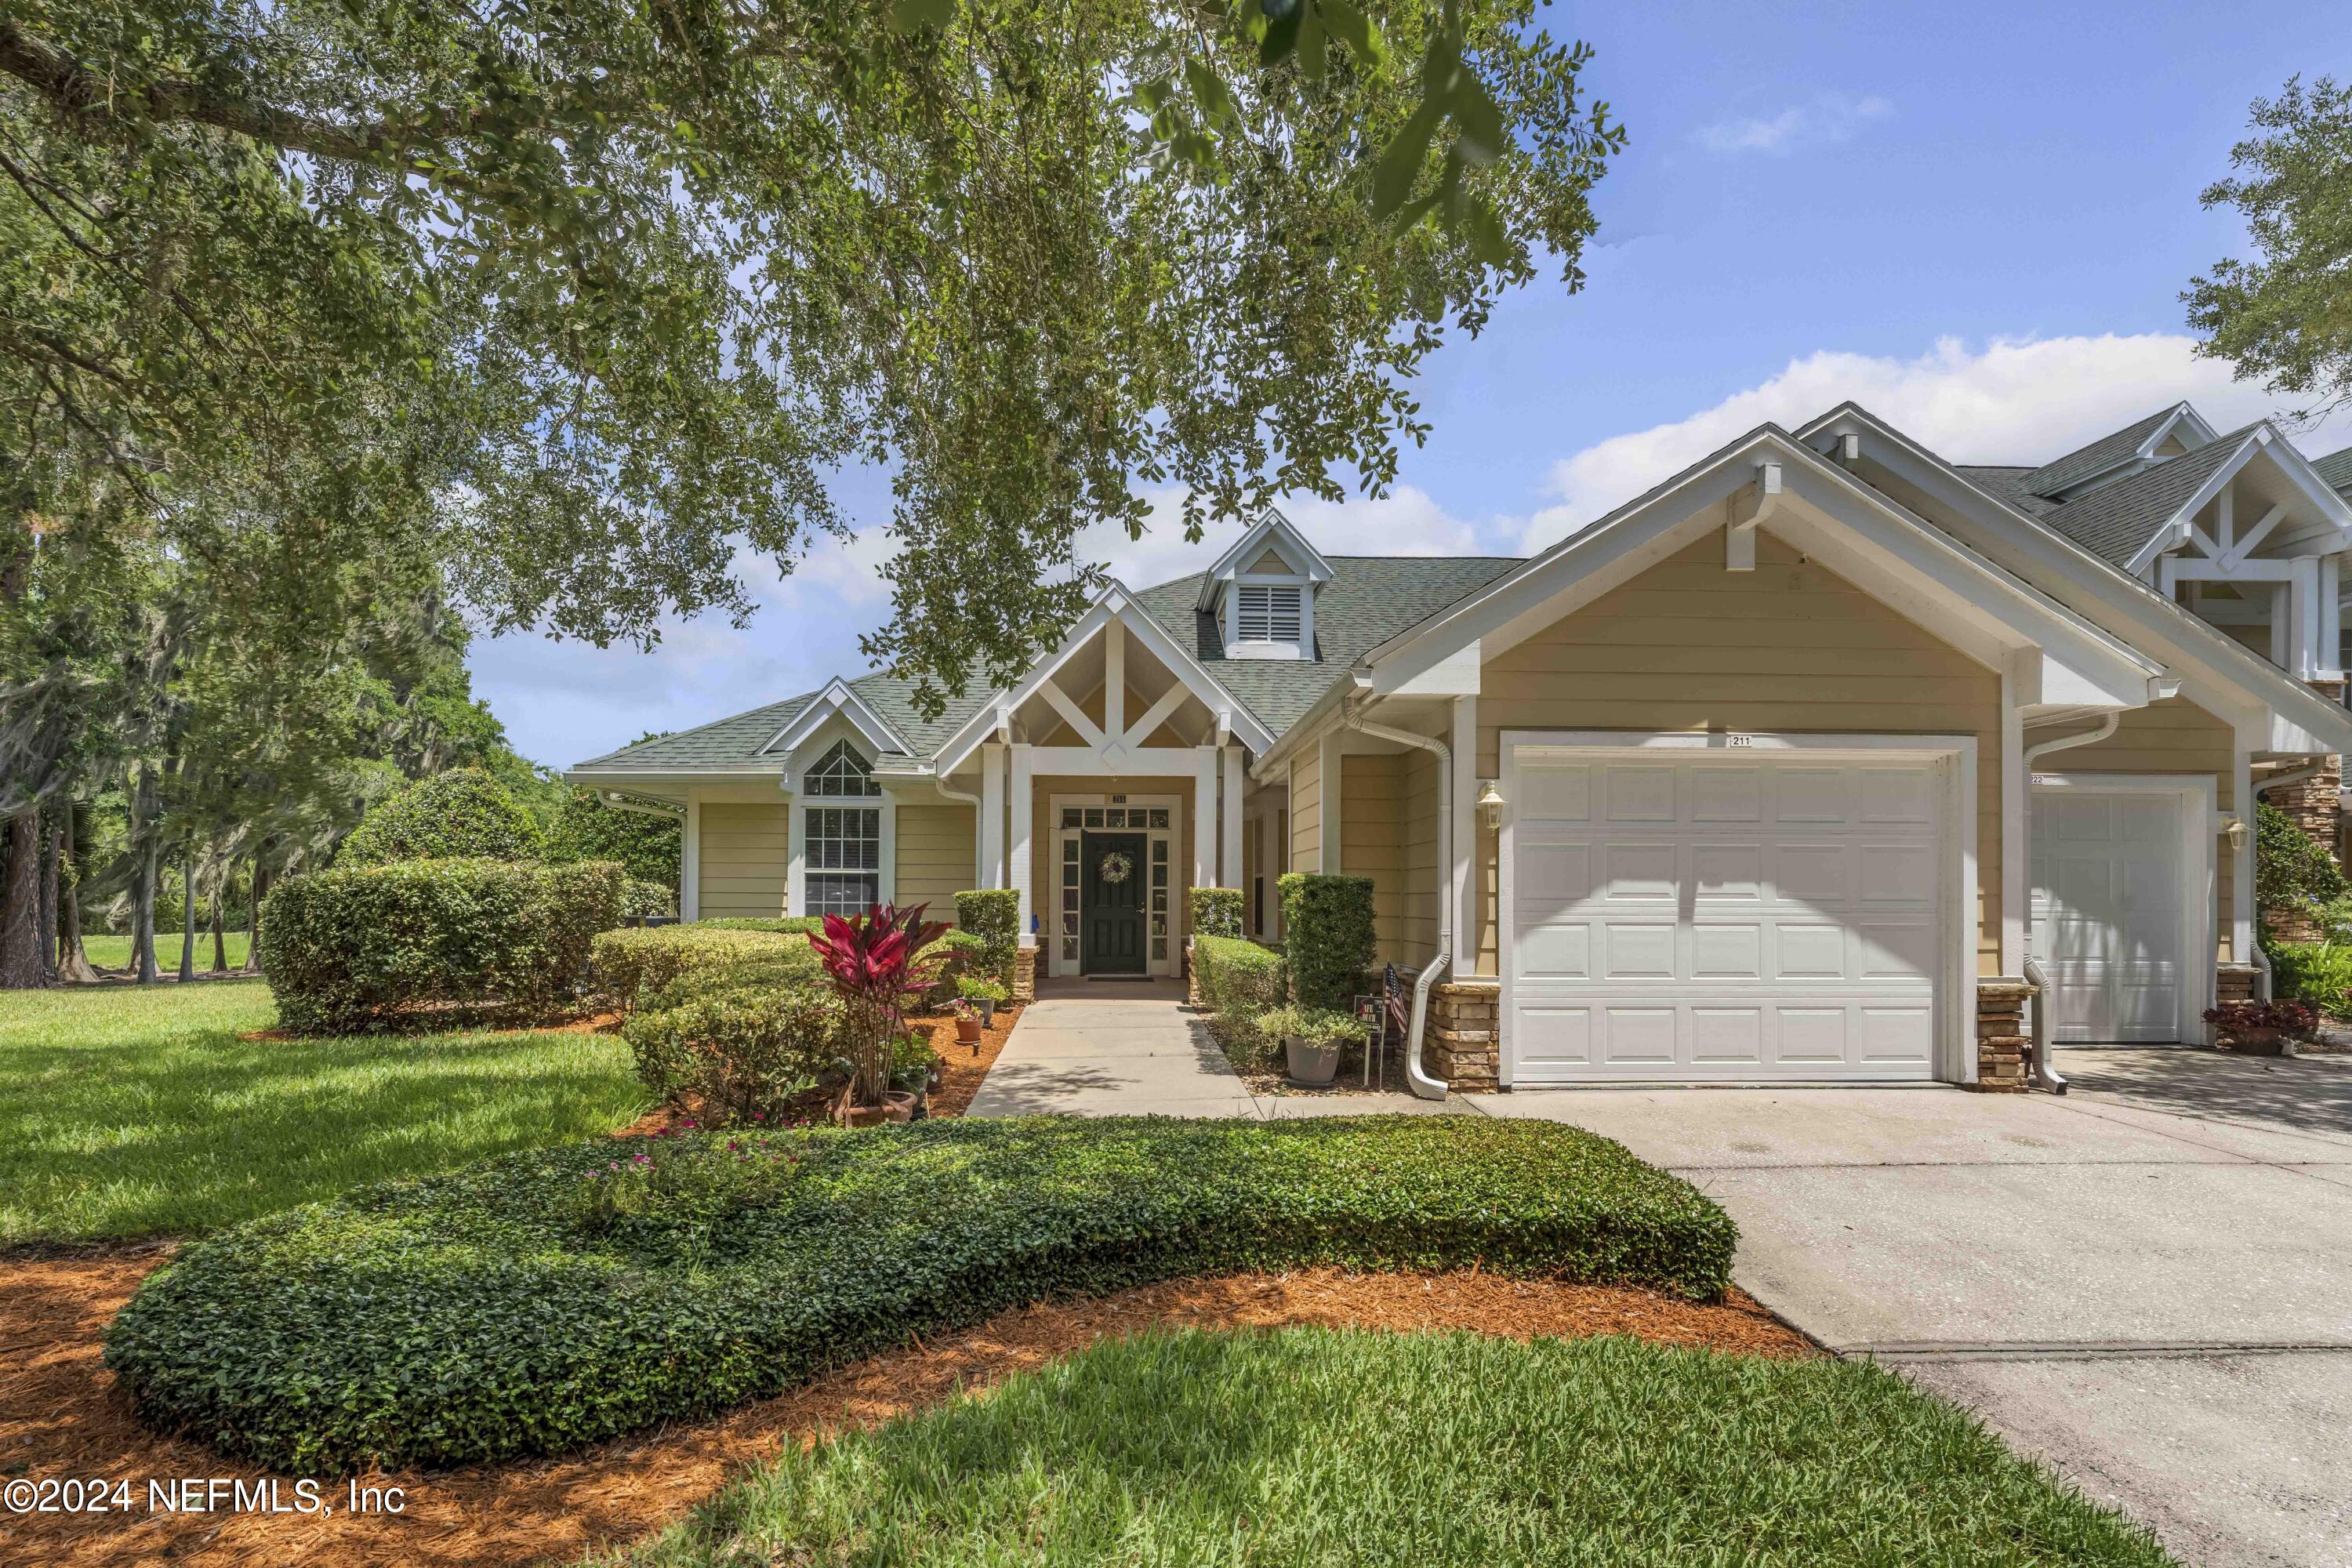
x,y
47,916
73,962
253,918
188,919
20,904
220,936
142,898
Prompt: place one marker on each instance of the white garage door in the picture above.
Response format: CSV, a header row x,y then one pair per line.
x,y
2109,897
1734,917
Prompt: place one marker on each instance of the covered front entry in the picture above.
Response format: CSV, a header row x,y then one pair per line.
x,y
2123,901
1736,913
1110,901
1118,881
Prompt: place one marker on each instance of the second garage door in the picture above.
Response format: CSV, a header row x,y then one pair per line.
x,y
1730,917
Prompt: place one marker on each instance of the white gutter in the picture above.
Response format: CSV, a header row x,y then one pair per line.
x,y
965,797
619,802
1421,1082
2099,731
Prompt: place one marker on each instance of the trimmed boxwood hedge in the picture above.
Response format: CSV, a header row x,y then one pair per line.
x,y
544,1300
1326,937
1238,982
1215,912
464,814
786,925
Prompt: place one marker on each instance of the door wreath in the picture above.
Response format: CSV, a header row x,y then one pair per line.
x,y
1115,867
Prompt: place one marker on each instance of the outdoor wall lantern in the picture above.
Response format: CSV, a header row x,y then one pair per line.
x,y
2233,828
1490,803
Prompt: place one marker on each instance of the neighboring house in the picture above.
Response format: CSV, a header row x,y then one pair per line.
x,y
1776,773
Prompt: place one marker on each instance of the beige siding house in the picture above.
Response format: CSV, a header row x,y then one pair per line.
x,y
1790,769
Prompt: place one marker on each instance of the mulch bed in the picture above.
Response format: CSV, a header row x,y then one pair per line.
x,y
60,1415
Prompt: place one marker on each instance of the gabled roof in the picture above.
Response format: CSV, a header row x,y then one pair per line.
x,y
1272,531
2008,482
736,743
2134,441
2337,469
838,696
2117,520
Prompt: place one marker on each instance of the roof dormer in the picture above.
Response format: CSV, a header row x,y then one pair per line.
x,y
1262,592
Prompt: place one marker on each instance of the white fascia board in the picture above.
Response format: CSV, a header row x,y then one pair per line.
x,y
1968,600
1434,670
1282,535
1114,602
2332,508
837,698
2216,671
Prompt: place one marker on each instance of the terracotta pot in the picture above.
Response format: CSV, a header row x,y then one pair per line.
x,y
897,1106
967,1032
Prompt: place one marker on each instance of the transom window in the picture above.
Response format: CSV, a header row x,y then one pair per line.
x,y
841,772
843,860
1266,612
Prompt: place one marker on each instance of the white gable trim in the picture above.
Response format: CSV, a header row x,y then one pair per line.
x,y
2216,673
1894,554
837,697
1273,531
1117,604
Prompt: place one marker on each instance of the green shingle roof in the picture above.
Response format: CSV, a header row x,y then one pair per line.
x,y
2008,482
2095,458
2117,521
1370,599
2337,469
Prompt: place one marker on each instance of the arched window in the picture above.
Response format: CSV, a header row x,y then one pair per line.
x,y
841,772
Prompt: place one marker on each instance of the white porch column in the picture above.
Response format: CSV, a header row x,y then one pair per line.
x,y
1462,844
1205,817
992,815
1021,853
2242,862
1330,861
2016,823
2304,593
2331,614
689,862
1230,847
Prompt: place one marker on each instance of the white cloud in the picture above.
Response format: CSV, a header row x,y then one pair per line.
x,y
1826,120
2012,401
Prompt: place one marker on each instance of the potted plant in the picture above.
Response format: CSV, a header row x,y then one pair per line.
x,y
2263,1028
877,963
1311,1038
983,993
967,1025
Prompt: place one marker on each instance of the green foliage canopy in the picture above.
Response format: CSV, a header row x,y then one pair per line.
x,y
461,813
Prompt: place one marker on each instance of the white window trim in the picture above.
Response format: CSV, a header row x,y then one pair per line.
x,y
1056,835
1236,648
1956,1025
2200,827
798,804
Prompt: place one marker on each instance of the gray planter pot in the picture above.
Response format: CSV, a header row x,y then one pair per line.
x,y
1310,1063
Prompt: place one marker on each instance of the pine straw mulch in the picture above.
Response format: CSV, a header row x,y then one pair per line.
x,y
60,1415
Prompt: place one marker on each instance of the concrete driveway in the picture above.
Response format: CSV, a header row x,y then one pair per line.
x,y
2148,1282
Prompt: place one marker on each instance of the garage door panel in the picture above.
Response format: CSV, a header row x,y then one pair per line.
x,y
1557,793
2110,891
1729,920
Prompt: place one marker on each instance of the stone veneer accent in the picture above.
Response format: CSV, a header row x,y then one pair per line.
x,y
2002,1044
1025,975
2235,982
1462,1040
2311,805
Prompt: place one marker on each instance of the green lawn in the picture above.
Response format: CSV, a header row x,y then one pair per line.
x,y
128,1111
114,952
1313,1447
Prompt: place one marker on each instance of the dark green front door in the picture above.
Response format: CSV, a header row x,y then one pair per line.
x,y
1110,902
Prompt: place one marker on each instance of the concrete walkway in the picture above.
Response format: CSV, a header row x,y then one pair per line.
x,y
2148,1283
1132,1049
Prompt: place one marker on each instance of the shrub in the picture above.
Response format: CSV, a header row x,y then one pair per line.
x,y
1238,982
982,988
993,915
641,899
490,1314
877,965
2316,973
2290,870
788,925
1215,912
1313,1025
347,949
589,829
2234,1018
645,967
1327,931
462,814
744,1052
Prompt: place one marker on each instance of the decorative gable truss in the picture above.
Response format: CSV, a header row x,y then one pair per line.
x,y
2256,550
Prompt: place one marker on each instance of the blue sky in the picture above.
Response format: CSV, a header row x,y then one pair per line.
x,y
1975,220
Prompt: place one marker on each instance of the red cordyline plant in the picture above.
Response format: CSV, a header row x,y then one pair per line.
x,y
876,962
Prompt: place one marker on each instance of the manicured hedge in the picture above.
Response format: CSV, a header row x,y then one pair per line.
x,y
541,1302
1238,982
1215,912
788,925
743,1052
464,814
1326,937
993,915
349,948
634,966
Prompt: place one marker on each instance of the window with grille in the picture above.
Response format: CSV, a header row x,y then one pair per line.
x,y
840,772
841,859
1266,612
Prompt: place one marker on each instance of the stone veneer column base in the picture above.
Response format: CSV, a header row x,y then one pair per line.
x,y
1025,975
2002,1046
1462,1039
2235,982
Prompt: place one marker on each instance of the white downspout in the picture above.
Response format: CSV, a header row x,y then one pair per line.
x,y
1421,1082
965,797
2045,1071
